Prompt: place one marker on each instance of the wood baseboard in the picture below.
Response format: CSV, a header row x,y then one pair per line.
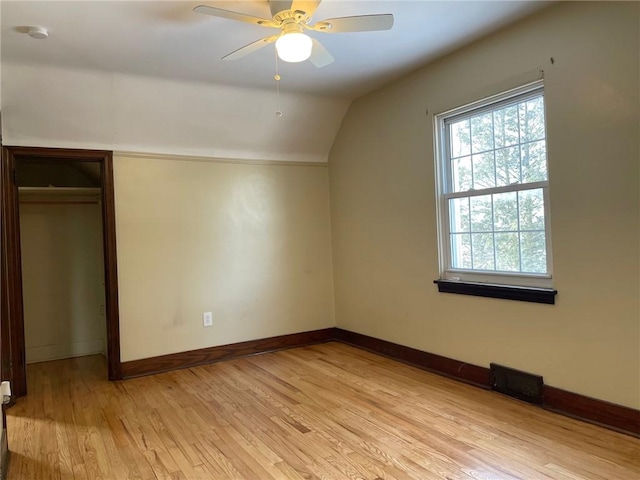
x,y
4,455
465,372
610,415
615,417
194,358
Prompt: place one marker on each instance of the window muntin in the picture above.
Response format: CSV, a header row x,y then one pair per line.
x,y
493,185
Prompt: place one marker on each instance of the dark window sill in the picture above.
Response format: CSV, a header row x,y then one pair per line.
x,y
523,294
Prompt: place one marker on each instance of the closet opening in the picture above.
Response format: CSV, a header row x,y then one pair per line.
x,y
59,249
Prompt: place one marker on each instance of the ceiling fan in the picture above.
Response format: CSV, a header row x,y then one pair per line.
x,y
292,17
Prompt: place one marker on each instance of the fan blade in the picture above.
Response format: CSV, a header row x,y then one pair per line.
x,y
252,47
320,57
228,14
360,23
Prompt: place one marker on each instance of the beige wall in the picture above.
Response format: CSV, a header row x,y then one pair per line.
x,y
62,280
250,243
383,206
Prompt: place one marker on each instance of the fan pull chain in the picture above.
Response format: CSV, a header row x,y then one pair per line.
x,y
276,77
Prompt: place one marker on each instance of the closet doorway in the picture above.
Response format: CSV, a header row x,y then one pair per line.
x,y
58,252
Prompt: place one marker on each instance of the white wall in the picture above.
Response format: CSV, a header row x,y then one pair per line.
x,y
62,280
61,107
383,205
250,243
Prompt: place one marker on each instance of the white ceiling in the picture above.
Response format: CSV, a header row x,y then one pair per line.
x,y
165,39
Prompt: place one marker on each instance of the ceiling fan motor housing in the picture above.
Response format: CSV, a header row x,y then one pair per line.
x,y
277,6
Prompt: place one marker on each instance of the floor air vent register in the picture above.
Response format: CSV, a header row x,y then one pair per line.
x,y
515,383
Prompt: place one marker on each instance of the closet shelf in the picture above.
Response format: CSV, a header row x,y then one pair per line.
x,y
59,195
61,191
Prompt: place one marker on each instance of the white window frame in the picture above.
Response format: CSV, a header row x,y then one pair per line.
x,y
444,193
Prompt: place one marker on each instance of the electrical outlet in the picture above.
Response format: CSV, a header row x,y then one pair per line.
x,y
207,319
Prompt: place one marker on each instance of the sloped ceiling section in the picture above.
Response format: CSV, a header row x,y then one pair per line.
x,y
148,76
85,101
62,107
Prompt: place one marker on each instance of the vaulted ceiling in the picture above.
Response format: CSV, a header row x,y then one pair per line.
x,y
166,40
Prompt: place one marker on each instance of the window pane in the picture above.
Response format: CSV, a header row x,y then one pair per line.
x,y
534,252
459,213
461,250
460,138
481,214
482,245
507,252
505,211
507,166
532,120
461,172
484,171
488,148
534,162
506,126
531,205
482,133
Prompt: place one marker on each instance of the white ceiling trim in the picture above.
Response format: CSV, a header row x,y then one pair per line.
x,y
236,161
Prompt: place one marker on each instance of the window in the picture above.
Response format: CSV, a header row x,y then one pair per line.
x,y
493,181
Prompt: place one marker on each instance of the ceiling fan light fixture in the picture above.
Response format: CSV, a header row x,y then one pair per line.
x,y
294,47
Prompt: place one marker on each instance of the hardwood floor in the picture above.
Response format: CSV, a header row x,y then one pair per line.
x,y
327,411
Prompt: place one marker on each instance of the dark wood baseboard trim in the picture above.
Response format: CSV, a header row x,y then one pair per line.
x,y
4,455
610,415
616,417
194,358
465,372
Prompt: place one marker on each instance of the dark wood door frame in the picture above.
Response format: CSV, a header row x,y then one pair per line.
x,y
10,256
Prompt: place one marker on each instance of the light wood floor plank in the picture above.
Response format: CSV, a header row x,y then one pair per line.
x,y
327,411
